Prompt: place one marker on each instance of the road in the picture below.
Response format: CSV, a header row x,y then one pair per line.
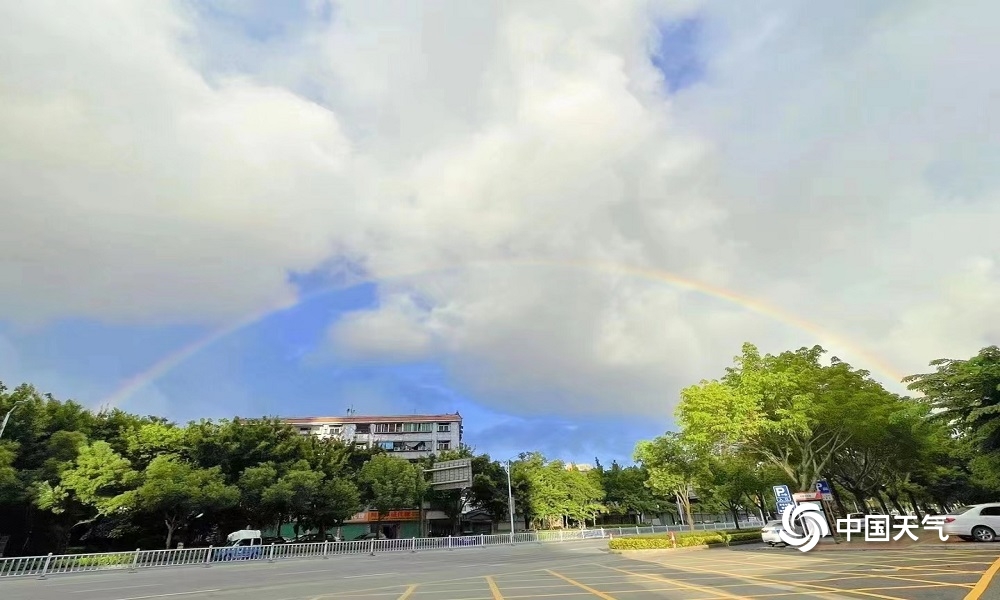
x,y
570,571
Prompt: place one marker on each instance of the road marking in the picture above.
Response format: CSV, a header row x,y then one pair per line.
x,y
173,594
368,575
409,592
690,586
597,593
984,582
123,587
493,588
799,585
871,571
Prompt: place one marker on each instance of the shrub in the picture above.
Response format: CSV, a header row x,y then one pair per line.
x,y
745,536
684,539
661,542
107,560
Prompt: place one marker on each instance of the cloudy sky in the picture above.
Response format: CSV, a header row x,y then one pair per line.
x,y
550,216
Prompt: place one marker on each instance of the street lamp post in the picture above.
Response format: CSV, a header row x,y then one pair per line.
x,y
510,502
7,416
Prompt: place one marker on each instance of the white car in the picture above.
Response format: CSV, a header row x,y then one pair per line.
x,y
770,533
979,522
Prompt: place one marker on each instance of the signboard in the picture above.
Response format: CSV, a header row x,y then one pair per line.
x,y
451,474
372,516
783,497
807,496
823,487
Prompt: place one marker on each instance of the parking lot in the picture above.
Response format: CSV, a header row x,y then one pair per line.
x,y
570,571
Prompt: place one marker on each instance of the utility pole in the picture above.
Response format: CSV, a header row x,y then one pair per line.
x,y
7,416
510,502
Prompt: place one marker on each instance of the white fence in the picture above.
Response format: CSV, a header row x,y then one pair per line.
x,y
42,566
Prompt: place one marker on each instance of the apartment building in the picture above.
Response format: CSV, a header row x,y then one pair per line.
x,y
408,436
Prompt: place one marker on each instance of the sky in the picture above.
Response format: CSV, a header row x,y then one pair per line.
x,y
551,217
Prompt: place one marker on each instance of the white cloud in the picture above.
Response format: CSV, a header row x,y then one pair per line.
x,y
835,161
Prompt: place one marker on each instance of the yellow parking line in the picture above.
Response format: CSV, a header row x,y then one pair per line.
x,y
597,593
493,588
984,581
409,592
697,588
793,584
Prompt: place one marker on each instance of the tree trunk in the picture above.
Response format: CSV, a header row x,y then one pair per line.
x,y
686,505
764,513
894,498
736,516
860,497
916,507
171,526
881,501
837,500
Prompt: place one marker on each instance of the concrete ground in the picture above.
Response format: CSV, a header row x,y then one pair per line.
x,y
571,571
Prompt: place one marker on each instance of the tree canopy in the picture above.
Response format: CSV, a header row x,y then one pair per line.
x,y
67,473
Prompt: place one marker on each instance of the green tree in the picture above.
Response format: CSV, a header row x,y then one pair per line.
x,y
627,493
254,504
294,493
730,482
488,491
788,409
336,501
967,395
177,492
389,483
674,464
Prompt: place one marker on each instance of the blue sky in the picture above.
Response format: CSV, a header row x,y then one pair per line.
x,y
182,165
280,366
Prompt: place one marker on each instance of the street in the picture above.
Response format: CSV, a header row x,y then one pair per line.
x,y
574,571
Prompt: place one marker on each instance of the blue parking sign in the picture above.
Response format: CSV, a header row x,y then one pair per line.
x,y
823,487
783,498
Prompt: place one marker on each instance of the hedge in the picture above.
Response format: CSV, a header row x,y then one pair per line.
x,y
106,560
685,539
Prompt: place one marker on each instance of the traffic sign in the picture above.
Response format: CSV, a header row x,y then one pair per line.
x,y
783,498
823,487
451,474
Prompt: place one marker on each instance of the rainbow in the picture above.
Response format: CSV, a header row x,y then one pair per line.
x,y
174,359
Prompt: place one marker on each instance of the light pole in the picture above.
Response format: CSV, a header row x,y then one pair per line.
x,y
510,501
7,416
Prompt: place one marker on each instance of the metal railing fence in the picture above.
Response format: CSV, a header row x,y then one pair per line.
x,y
43,566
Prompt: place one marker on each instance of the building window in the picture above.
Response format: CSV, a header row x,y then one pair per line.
x,y
444,445
444,427
403,427
362,428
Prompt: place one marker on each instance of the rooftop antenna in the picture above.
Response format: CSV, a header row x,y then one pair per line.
x,y
351,411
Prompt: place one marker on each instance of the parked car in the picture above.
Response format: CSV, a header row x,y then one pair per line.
x,y
371,536
245,544
309,538
267,541
769,533
979,522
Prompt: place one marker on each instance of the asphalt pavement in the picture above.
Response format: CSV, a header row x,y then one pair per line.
x,y
570,571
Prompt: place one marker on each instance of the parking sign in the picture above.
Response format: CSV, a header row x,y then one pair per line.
x,y
783,497
823,487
